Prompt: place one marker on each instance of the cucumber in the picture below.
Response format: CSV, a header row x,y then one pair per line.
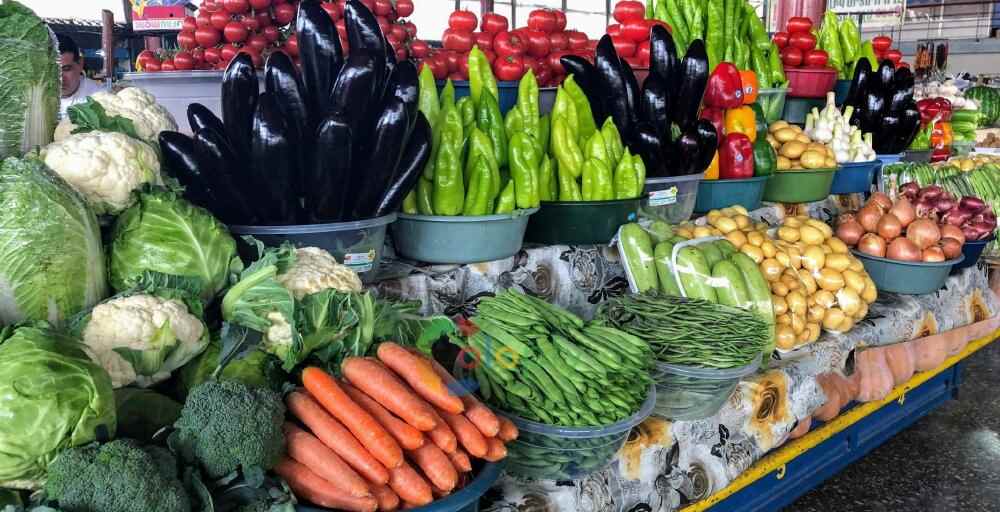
x,y
730,287
662,255
660,231
694,272
712,253
676,239
638,249
757,288
725,247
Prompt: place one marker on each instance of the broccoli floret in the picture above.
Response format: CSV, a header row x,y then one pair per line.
x,y
226,426
120,476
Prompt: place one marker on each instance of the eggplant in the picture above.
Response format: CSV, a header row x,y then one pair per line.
x,y
364,36
909,125
239,100
352,93
369,181
708,141
646,144
181,162
902,90
320,54
872,111
612,85
415,156
884,141
859,84
693,74
883,77
404,79
631,89
199,116
270,151
329,171
585,76
390,57
663,59
654,105
282,80
233,193
689,150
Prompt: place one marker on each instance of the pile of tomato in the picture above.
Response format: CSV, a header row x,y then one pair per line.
x,y
631,34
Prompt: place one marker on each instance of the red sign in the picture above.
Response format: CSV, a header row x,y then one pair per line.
x,y
158,15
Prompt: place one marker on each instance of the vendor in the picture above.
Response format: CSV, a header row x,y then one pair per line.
x,y
75,84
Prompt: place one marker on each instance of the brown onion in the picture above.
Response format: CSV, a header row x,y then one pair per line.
x,y
903,249
872,245
889,227
850,232
923,232
951,247
881,200
869,216
846,217
949,231
904,211
933,254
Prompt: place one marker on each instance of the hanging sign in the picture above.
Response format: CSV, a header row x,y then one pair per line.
x,y
158,15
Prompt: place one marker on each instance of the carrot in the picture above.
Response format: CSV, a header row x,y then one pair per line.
x,y
406,505
335,436
480,415
309,451
408,437
371,434
381,384
409,485
419,374
508,431
442,435
438,493
312,488
497,450
461,461
467,433
386,498
435,465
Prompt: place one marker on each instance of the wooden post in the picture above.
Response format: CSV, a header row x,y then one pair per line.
x,y
108,43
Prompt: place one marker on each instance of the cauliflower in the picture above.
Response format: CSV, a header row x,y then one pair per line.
x,y
149,117
143,338
316,270
104,167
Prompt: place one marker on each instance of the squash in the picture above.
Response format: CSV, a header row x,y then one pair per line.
x,y
901,362
831,407
854,384
847,394
876,379
929,352
956,341
801,428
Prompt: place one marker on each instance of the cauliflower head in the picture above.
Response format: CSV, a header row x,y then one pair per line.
x,y
143,338
104,167
133,103
316,270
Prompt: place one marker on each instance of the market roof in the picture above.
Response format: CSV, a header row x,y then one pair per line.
x,y
83,25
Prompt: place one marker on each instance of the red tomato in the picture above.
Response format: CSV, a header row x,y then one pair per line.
x,y
292,45
531,63
509,68
284,14
629,10
816,59
404,8
186,40
494,23
614,30
881,43
780,39
260,4
198,54
545,77
439,66
799,24
152,66
577,40
453,59
642,53
538,43
167,65
382,8
235,32
271,33
204,19
560,20
624,46
331,10
802,40
183,61
257,42
484,40
894,55
254,55
212,55
190,24
456,76
219,19
554,62
462,21
263,18
383,24
419,48
507,43
227,52
542,20
396,30
402,54
490,56
209,6
633,61
463,65
558,40
791,56
208,36
635,30
251,23
236,6
146,56
222,65
411,29
457,41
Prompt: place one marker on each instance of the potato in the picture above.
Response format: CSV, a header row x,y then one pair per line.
x,y
792,150
870,293
743,221
777,125
854,281
737,238
796,303
830,162
862,311
794,257
771,269
810,235
726,225
773,142
856,265
768,248
849,301
845,325
828,151
816,313
778,288
798,323
803,138
813,328
780,305
811,159
802,338
817,146
785,319
813,258
785,338
702,231
833,318
830,280
808,281
713,216
788,234
826,249
755,238
838,262
821,226
740,209
791,281
797,166
755,253
825,299
838,246
685,232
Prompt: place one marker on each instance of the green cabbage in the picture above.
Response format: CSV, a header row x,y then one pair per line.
x,y
164,233
51,262
29,80
54,398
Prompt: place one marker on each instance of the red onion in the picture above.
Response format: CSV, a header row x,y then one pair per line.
x,y
909,190
986,216
926,208
971,204
930,191
978,230
956,217
944,205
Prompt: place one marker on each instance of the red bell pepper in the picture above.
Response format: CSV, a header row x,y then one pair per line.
x,y
717,117
736,157
928,109
725,88
944,106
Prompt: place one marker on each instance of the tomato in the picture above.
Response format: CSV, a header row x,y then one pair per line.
x,y
791,56
456,76
419,48
152,65
404,8
629,10
209,6
780,39
642,53
186,40
382,8
802,40
204,19
816,59
439,66
331,10
624,46
236,6
614,30
507,44
235,32
167,65
558,41
283,14
462,21
198,54
560,20
208,36
509,68
635,30
490,56
538,43
257,42
494,23
396,30
457,41
183,61
271,33
228,51
542,20
463,65
532,63
260,4
251,23
291,45
254,56
894,55
219,19
799,24
190,24
263,18
482,40
410,28
577,39
144,57
212,55
881,43
554,60
452,59
383,24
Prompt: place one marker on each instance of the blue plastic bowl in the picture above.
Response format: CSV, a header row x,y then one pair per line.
x,y
715,194
854,177
840,90
972,251
884,160
508,92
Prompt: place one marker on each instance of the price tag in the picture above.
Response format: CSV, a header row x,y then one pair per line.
x,y
360,261
663,197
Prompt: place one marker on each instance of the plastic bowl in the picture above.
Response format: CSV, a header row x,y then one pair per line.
x,y
443,239
508,92
670,199
840,90
906,277
795,186
691,393
810,82
772,103
921,156
854,177
715,194
553,452
797,108
546,99
355,244
579,222
880,179
465,500
972,251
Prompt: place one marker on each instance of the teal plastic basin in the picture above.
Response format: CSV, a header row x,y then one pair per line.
x,y
458,239
508,92
840,90
854,177
906,277
579,222
797,108
715,194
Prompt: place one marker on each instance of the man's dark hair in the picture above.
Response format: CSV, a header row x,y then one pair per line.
x,y
68,45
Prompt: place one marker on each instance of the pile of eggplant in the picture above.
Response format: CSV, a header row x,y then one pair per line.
x,y
884,106
659,121
340,141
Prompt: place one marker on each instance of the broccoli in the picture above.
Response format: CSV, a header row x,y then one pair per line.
x,y
226,426
120,476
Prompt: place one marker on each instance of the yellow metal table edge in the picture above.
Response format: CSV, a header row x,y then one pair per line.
x,y
776,460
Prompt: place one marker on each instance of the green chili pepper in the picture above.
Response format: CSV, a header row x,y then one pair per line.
x,y
626,179
547,187
584,115
524,160
410,203
480,194
568,188
480,76
468,112
640,172
427,97
480,146
546,126
850,40
776,66
604,181
761,68
566,150
490,121
649,9
425,196
448,95
715,42
613,141
565,108
675,13
527,103
449,190
695,18
587,180
758,34
597,148
512,122
505,204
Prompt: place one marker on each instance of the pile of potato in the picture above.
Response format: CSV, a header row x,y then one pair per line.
x,y
796,150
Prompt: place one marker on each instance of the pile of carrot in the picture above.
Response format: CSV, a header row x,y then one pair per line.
x,y
393,433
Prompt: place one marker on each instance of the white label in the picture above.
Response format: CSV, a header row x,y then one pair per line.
x,y
157,24
360,261
663,197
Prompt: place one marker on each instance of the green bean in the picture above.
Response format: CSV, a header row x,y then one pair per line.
x,y
497,332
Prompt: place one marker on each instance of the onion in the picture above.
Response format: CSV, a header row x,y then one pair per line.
x,y
903,210
951,247
846,217
869,216
956,217
971,204
986,216
944,205
924,233
881,200
850,232
903,249
889,227
926,208
930,192
933,254
949,231
909,190
977,230
872,245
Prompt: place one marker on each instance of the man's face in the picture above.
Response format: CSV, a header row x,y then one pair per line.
x,y
71,74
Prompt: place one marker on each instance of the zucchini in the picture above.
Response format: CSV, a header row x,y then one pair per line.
x,y
660,231
638,250
694,271
711,252
729,285
757,288
662,255
726,248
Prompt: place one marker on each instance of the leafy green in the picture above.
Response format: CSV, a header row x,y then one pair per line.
x,y
143,412
255,368
91,116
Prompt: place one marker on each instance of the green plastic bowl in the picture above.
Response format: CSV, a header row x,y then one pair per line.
x,y
797,186
715,194
458,239
579,222
906,277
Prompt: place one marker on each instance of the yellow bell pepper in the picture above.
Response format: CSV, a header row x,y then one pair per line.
x,y
751,86
712,173
741,120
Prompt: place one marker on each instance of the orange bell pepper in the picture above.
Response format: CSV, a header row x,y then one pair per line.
x,y
712,173
751,86
741,120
